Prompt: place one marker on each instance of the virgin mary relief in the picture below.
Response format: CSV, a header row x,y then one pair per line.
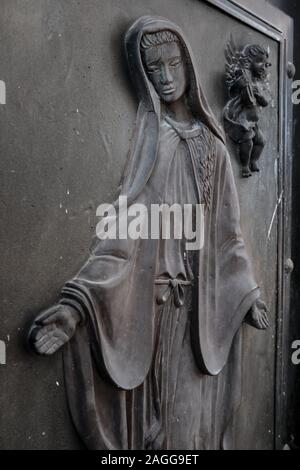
x,y
150,330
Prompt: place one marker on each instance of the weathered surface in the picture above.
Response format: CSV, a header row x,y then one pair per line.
x,y
70,111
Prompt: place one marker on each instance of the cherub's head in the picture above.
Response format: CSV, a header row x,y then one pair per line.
x,y
165,65
256,59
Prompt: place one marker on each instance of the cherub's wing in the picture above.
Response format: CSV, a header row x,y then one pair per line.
x,y
232,56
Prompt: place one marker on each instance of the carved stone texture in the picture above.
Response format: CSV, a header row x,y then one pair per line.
x,y
150,330
247,81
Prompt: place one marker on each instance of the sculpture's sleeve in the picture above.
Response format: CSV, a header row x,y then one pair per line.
x,y
71,300
114,294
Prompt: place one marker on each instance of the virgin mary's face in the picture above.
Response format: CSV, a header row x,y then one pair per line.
x,y
166,68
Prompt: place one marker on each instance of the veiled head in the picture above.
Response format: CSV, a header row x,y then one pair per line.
x,y
165,65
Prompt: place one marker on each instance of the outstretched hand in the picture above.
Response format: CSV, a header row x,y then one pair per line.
x,y
54,328
257,316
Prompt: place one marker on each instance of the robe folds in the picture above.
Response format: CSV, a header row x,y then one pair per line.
x,y
117,292
116,285
126,338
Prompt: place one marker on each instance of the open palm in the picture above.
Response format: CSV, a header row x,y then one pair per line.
x,y
54,328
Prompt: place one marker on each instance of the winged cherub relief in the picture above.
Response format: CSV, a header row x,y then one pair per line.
x,y
247,80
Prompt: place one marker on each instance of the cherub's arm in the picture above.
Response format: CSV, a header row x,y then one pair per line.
x,y
242,87
262,93
262,99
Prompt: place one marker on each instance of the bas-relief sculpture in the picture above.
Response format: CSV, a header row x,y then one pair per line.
x,y
247,81
151,333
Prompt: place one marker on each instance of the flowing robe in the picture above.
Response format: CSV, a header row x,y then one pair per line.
x,y
157,365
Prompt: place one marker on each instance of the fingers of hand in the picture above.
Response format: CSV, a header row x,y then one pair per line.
x,y
44,331
264,322
51,340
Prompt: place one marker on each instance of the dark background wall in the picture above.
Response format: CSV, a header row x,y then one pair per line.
x,y
56,144
292,8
